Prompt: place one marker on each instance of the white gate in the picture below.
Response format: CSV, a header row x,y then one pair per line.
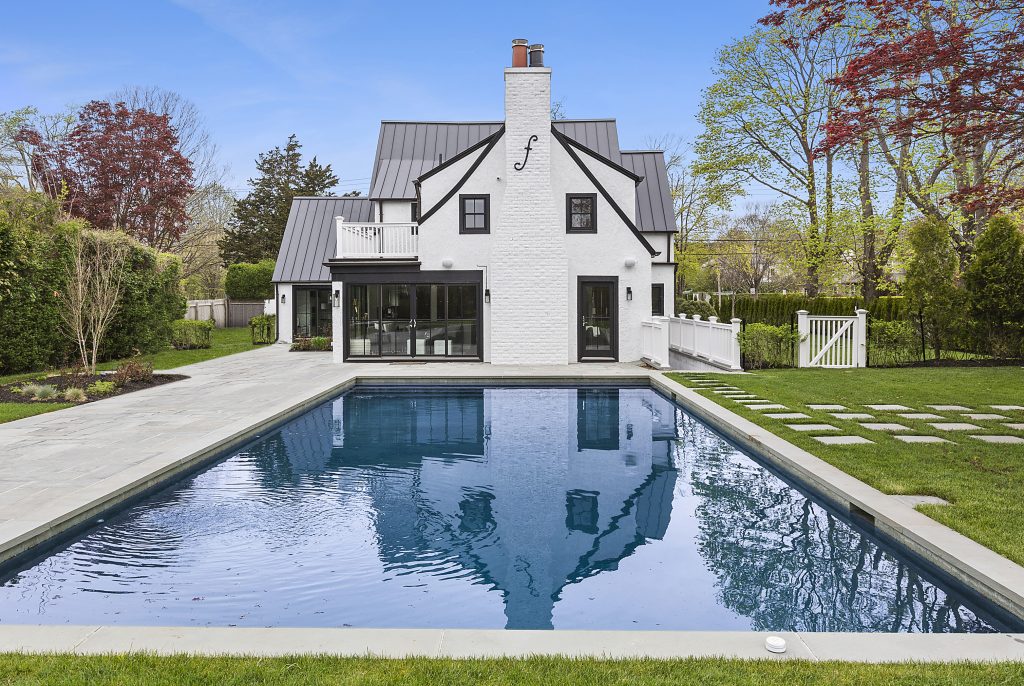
x,y
832,342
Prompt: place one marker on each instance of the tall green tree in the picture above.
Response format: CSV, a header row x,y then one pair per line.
x,y
930,286
257,224
995,286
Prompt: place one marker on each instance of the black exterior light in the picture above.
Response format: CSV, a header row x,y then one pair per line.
x,y
487,295
629,292
282,298
337,298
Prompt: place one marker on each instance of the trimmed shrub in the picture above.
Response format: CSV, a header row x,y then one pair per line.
x,y
764,345
893,343
778,309
75,395
247,281
133,371
316,343
692,307
995,288
101,387
187,334
263,329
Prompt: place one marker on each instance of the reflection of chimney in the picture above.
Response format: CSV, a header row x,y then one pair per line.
x,y
536,55
519,52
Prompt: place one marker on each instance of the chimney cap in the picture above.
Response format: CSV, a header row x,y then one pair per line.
x,y
519,41
537,46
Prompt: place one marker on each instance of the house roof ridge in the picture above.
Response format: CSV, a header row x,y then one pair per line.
x,y
442,121
640,152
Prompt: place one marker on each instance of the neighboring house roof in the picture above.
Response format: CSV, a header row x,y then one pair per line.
x,y
654,209
310,238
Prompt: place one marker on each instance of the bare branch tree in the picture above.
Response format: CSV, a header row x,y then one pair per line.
x,y
92,290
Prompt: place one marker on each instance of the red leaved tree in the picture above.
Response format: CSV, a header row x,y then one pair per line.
x,y
119,168
947,73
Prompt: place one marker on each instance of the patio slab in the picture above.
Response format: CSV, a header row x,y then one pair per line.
x,y
787,415
1014,426
837,408
889,408
949,408
1008,408
885,426
1010,440
954,426
919,415
985,416
852,415
842,440
812,427
921,439
767,406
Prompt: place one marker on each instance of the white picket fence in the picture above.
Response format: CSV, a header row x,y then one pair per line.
x,y
832,342
707,340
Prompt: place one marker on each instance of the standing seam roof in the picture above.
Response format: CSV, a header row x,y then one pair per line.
x,y
310,238
654,208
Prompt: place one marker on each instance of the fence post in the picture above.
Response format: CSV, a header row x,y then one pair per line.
x,y
861,339
803,330
734,338
660,342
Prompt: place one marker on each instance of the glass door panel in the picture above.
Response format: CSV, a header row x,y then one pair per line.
x,y
364,320
396,320
597,336
431,338
463,337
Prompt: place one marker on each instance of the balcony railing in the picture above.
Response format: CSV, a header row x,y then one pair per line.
x,y
377,241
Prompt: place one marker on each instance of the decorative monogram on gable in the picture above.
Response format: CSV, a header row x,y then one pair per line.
x,y
519,166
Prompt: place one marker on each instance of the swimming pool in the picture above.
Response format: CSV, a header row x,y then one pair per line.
x,y
474,507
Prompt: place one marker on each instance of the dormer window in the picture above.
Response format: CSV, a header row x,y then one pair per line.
x,y
474,214
581,213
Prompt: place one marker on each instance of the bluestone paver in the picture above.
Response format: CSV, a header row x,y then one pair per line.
x,y
842,440
954,426
920,439
885,426
1012,440
889,408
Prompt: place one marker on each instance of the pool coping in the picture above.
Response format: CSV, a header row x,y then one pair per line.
x,y
989,574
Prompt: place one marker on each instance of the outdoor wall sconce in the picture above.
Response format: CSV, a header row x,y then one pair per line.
x,y
487,295
282,298
447,263
630,262
337,298
629,293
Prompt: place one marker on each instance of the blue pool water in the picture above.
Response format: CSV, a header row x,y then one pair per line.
x,y
525,508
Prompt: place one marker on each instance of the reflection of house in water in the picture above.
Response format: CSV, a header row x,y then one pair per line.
x,y
522,504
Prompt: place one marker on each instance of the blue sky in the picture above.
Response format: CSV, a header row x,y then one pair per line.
x,y
330,71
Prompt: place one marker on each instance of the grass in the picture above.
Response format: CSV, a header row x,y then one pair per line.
x,y
148,670
224,342
983,482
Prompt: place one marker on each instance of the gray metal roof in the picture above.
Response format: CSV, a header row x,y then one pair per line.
x,y
599,135
310,239
407,149
654,209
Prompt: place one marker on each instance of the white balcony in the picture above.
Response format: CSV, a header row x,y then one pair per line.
x,y
377,241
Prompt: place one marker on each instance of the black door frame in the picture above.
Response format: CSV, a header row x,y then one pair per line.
x,y
613,281
413,279
295,308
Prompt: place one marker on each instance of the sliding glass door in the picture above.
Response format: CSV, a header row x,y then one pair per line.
x,y
312,312
428,320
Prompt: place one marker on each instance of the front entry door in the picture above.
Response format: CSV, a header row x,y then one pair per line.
x,y
598,318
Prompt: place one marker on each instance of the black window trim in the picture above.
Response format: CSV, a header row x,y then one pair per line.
x,y
661,301
569,197
462,212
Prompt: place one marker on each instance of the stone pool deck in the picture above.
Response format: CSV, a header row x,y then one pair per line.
x,y
65,468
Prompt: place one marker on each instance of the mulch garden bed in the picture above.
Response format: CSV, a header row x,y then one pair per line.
x,y
10,393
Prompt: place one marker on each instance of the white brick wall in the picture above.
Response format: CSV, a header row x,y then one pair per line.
x,y
529,263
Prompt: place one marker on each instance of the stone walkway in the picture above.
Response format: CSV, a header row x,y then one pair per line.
x,y
955,418
62,467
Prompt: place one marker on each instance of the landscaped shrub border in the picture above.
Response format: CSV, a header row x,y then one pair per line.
x,y
779,309
316,343
188,334
263,329
248,281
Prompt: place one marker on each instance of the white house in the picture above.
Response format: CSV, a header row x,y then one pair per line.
x,y
523,241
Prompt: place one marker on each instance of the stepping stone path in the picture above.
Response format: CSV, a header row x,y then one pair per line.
x,y
921,439
1015,427
842,440
1007,408
984,415
812,427
883,426
851,415
726,389
767,406
787,415
745,396
889,408
954,426
1000,439
749,401
920,415
837,408
949,408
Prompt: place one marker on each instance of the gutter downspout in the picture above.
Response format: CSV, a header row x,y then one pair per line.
x,y
277,315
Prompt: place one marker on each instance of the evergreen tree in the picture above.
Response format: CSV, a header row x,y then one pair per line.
x,y
257,226
995,287
930,287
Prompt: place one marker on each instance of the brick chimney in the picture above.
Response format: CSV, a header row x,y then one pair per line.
x,y
528,325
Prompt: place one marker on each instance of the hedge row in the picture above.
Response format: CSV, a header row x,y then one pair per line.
x,y
247,281
778,309
34,252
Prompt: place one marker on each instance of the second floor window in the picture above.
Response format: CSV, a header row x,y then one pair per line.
x,y
581,213
474,214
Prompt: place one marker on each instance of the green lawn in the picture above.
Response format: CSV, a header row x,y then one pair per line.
x,y
225,342
983,482
143,670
